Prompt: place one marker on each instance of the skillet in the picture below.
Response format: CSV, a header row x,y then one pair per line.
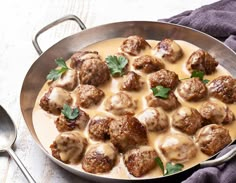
x,y
35,78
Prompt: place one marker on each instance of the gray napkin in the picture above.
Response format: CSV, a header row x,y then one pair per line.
x,y
217,19
225,173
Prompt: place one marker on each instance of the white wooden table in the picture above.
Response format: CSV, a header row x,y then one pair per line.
x,y
20,20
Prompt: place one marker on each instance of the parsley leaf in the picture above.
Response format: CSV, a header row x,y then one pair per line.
x,y
160,164
160,91
205,81
116,64
69,112
173,168
197,74
54,74
170,168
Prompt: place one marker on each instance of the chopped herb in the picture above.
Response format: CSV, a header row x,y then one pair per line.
x,y
170,167
56,73
160,164
205,81
173,168
116,64
69,112
198,74
160,91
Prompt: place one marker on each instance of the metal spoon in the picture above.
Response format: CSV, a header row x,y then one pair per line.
x,y
7,138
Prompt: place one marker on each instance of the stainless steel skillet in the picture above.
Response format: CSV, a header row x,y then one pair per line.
x,y
35,78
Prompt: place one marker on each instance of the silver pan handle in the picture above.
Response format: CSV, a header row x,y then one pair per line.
x,y
226,157
63,19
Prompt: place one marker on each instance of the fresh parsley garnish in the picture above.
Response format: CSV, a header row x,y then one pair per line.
x,y
160,164
56,73
160,91
116,64
198,74
173,168
170,167
70,113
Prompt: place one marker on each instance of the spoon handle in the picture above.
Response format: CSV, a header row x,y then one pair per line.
x,y
21,166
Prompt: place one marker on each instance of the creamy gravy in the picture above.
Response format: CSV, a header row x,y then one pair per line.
x,y
46,130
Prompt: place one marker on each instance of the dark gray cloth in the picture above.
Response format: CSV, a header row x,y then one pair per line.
x,y
225,173
217,19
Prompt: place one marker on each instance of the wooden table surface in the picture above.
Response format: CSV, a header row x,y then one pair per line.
x,y
20,20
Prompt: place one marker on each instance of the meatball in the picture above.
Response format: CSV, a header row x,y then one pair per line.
x,y
88,95
223,88
131,81
100,158
167,104
94,72
187,120
216,112
192,89
155,119
165,78
178,148
99,127
212,138
54,99
148,64
69,147
140,160
64,124
134,44
200,60
79,57
120,104
127,132
68,80
169,50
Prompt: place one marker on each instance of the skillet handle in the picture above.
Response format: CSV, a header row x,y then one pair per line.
x,y
63,19
226,157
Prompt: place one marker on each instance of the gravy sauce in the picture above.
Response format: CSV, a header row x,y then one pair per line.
x,y
46,130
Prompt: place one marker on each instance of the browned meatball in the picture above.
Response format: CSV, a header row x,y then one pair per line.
x,y
212,138
131,81
99,127
69,147
192,89
165,78
79,57
100,158
140,161
64,124
178,148
88,95
133,45
223,88
54,99
155,119
187,120
167,104
200,60
120,104
94,72
68,80
127,132
148,64
169,50
216,112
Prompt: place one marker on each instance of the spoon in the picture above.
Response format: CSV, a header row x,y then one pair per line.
x,y
7,138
